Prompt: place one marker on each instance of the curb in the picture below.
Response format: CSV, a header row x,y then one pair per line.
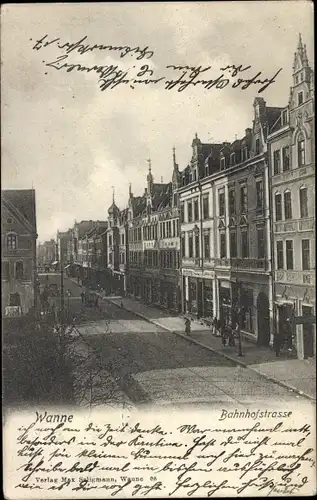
x,y
237,361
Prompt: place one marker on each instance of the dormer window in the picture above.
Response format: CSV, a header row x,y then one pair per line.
x,y
222,163
300,97
232,159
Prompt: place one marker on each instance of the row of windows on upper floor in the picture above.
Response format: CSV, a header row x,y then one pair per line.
x,y
281,162
165,229
285,255
190,244
288,210
225,162
193,211
164,259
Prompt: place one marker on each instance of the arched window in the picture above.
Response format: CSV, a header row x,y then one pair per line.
x,y
301,150
303,201
12,241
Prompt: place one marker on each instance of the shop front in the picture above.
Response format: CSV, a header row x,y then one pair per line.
x,y
225,306
208,306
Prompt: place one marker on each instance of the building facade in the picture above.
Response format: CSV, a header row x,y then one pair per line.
x,y
46,253
292,173
154,243
18,240
225,230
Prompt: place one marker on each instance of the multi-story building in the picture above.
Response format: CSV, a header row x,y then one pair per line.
x,y
63,244
18,241
225,230
292,174
46,253
154,243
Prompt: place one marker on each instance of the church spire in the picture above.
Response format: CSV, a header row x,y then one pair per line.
x,y
130,190
113,195
149,178
175,166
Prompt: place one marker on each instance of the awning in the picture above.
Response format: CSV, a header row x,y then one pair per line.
x,y
54,263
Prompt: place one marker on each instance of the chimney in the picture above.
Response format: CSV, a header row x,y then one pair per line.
x,y
162,180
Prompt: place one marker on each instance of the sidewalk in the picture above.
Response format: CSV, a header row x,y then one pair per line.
x,y
295,374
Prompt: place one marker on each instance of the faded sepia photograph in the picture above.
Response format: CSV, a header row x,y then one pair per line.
x,y
158,248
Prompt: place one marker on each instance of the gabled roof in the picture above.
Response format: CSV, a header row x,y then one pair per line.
x,y
21,202
138,205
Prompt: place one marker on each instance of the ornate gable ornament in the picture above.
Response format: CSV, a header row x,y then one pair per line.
x,y
243,221
232,221
221,224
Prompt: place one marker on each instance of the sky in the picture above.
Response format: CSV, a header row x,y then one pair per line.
x,y
72,142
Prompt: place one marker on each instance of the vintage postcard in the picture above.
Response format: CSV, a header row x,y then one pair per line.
x,y
158,250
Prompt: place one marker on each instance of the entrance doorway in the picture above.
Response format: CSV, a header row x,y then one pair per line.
x,y
262,305
308,334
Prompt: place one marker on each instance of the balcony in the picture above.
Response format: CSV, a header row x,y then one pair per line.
x,y
295,225
295,277
243,264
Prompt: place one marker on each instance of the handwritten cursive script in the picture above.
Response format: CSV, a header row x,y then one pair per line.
x,y
73,453
174,77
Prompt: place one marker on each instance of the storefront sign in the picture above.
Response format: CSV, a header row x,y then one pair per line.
x,y
192,272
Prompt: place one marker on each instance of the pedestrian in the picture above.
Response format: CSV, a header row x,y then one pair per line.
x,y
82,297
231,341
96,301
278,341
222,328
216,327
187,326
288,335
